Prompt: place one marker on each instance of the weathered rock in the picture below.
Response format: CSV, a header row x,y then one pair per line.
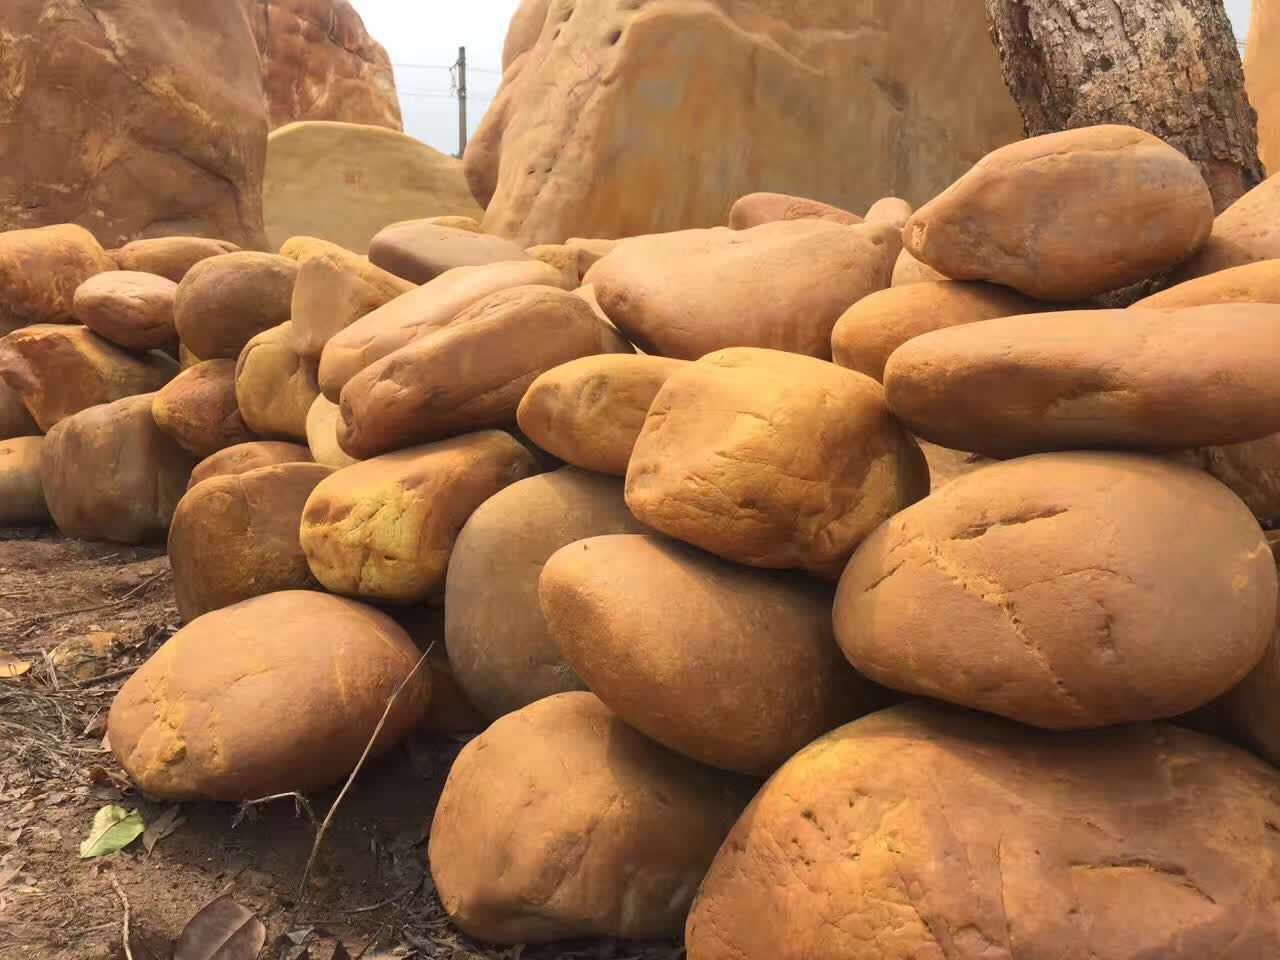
x,y
772,460
470,375
21,492
928,832
1252,471
244,457
450,713
757,208
732,99
133,310
109,473
1067,215
170,257
561,256
40,270
891,210
590,251
781,285
498,642
322,434
947,465
383,529
421,251
907,269
590,411
1246,232
1253,707
112,122
197,408
733,667
1157,379
525,28
275,387
279,693
59,370
368,176
86,657
456,223
1262,78
15,419
508,854
418,313
1066,591
224,302
1252,283
235,536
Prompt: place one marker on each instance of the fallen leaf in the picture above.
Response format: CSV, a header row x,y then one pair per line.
x,y
11,666
162,826
224,930
104,777
114,828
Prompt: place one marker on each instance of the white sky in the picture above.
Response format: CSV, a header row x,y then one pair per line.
x,y
430,32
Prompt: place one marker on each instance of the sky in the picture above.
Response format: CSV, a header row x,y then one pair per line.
x,y
423,36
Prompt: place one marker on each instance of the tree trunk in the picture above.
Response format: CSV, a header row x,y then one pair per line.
x,y
1170,67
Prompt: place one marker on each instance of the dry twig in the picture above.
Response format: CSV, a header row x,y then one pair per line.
x,y
124,923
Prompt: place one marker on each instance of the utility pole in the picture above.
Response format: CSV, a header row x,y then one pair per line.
x,y
461,67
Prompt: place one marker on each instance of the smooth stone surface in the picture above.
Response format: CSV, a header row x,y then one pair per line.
x,y
420,251
891,210
1252,471
322,435
21,491
275,386
244,457
1245,232
757,208
907,270
170,257
132,310
224,302
1251,283
15,419
40,270
561,256
197,408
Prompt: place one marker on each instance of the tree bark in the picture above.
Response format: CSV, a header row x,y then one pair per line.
x,y
1170,67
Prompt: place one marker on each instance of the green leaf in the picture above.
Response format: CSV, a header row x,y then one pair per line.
x,y
114,828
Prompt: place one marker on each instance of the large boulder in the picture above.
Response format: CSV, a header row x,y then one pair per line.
x,y
733,98
1257,282
924,832
782,285
279,693
198,408
131,309
170,257
15,419
21,491
420,250
244,457
59,370
1065,590
224,302
367,176
772,460
383,529
322,434
1245,232
757,208
109,473
1262,77
275,385
112,119
41,269
560,821
498,642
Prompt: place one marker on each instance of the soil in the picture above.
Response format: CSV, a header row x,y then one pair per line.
x,y
370,889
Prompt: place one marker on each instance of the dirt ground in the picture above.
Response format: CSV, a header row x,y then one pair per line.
x,y
370,889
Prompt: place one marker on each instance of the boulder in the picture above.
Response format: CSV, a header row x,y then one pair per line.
x,y
420,251
590,411
781,285
170,257
561,256
1253,707
947,465
1065,591
1245,232
1263,79
235,536
383,529
772,460
891,210
733,667
525,28
224,302
450,713
244,457
197,408
40,270
418,313
322,434
1156,379
1252,471
133,310
109,473
472,374
368,176
929,832
276,694
275,387
732,99
1251,283
15,419
1067,215
21,492
907,269
869,331
457,223
590,251
560,821
59,370
498,642
757,208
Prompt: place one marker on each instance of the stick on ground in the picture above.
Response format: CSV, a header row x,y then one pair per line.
x,y
124,923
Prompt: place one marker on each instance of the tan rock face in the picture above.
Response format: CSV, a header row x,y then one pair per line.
x,y
224,302
1252,283
60,370
590,411
1263,79
772,460
132,310
197,408
179,155
279,693
369,177
907,269
1245,232
383,529
21,492
420,251
507,851
1064,591
930,832
733,667
275,387
322,435
470,375
526,27
561,256
1252,471
553,158
891,210
869,331
781,285
41,269
1067,215
15,420
235,536
1158,379
757,208
109,473
170,257
418,313
244,457
498,642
